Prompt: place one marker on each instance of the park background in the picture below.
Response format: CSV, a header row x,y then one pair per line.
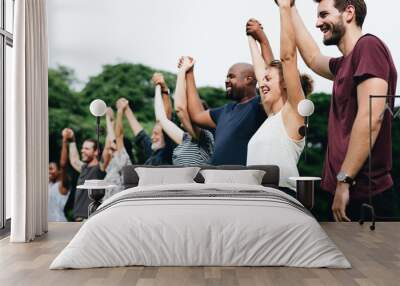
x,y
109,49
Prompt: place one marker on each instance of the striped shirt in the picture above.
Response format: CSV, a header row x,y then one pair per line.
x,y
194,152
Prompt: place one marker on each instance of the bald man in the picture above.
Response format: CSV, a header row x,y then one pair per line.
x,y
234,123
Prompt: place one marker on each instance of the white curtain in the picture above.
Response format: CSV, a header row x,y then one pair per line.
x,y
27,123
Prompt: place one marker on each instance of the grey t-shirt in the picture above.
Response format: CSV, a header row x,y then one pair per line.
x,y
82,199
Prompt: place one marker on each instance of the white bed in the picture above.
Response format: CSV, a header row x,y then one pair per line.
x,y
201,225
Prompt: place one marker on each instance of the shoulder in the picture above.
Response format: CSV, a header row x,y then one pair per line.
x,y
369,39
368,44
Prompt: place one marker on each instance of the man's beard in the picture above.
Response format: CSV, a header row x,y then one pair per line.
x,y
235,95
337,31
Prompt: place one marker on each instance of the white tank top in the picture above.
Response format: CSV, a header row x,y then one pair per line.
x,y
271,145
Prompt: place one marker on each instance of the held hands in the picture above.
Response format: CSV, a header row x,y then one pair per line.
x,y
285,3
186,63
122,104
158,79
67,134
255,29
340,202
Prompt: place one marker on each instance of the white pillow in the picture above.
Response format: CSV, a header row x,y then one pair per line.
x,y
248,177
166,176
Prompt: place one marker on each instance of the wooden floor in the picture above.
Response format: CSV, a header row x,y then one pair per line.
x,y
375,257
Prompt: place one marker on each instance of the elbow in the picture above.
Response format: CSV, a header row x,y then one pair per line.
x,y
196,118
311,61
376,124
288,57
180,109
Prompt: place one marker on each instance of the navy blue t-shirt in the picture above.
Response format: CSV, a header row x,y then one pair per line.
x,y
236,124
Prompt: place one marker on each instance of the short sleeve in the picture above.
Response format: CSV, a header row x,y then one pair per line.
x,y
144,141
215,113
261,114
334,64
370,59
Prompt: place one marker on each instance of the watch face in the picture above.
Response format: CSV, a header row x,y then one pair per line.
x,y
341,176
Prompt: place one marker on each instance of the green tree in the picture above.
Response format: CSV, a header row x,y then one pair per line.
x,y
132,81
65,109
214,97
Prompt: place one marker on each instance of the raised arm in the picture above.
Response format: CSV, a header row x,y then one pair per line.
x,y
158,78
63,164
122,105
180,98
64,149
133,122
288,56
309,49
196,110
173,131
255,30
257,60
74,159
107,154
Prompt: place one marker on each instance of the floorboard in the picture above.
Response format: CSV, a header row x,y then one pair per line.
x,y
375,257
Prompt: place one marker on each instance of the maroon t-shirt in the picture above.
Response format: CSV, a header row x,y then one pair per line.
x,y
370,58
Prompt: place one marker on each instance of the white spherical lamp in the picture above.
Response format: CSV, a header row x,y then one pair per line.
x,y
305,107
98,107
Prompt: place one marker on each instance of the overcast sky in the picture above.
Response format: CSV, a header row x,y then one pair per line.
x,y
86,34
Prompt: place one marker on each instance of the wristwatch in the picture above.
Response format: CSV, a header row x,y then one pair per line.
x,y
165,91
342,177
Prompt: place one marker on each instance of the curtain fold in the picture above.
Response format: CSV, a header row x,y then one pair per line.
x,y
27,135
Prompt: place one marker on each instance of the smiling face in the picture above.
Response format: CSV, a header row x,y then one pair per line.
x,y
240,81
330,22
157,138
272,87
88,151
53,172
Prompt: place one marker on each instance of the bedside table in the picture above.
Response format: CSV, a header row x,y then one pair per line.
x,y
96,191
305,190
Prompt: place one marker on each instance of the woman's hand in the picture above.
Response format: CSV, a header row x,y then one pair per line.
x,y
110,113
122,104
186,63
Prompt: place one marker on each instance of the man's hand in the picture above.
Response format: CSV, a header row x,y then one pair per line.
x,y
185,63
189,61
122,104
67,134
255,29
285,3
158,79
340,202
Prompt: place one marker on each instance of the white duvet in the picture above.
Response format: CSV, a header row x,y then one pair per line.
x,y
185,230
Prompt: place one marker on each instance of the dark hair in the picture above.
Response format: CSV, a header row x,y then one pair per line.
x,y
359,6
205,105
307,83
55,163
94,143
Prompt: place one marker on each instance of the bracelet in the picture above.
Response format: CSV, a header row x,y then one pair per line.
x,y
165,91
